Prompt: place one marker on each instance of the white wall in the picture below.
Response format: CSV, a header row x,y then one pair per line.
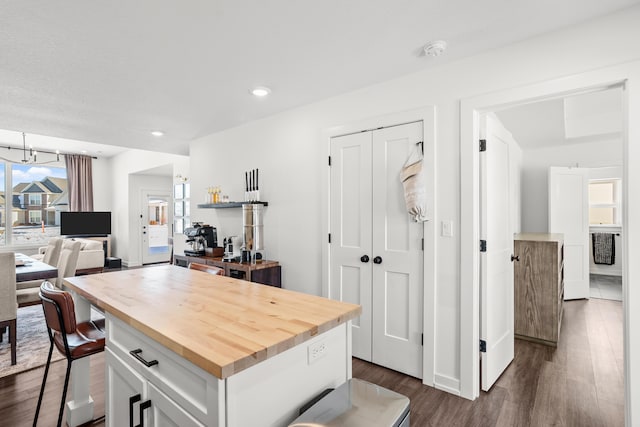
x,y
290,153
535,174
124,207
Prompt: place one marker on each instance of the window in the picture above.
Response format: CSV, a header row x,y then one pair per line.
x,y
2,204
35,217
31,199
35,199
604,202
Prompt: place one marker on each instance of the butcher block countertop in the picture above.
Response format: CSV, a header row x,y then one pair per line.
x,y
221,324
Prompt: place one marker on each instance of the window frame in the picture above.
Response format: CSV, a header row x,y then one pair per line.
x,y
616,205
9,240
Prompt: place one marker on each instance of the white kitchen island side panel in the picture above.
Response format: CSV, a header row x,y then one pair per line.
x,y
272,392
269,393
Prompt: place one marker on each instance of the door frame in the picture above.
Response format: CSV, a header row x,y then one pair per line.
x,y
625,76
144,194
427,115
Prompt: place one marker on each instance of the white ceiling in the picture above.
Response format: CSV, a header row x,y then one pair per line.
x,y
110,72
575,119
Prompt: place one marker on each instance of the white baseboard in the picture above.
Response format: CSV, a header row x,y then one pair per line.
x,y
448,384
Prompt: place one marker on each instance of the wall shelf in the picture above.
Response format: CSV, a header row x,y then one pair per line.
x,y
229,205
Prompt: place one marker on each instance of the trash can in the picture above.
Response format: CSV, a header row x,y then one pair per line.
x,y
357,403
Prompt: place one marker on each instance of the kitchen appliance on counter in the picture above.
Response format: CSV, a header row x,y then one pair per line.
x,y
200,237
253,231
231,249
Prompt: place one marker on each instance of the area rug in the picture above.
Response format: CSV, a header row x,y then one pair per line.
x,y
32,343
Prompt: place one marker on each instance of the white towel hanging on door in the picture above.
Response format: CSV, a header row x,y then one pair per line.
x,y
412,176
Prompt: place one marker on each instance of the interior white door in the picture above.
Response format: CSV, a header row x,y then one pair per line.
x,y
396,255
376,250
350,218
569,215
156,220
496,265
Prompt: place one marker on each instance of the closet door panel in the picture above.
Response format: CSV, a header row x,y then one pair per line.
x,y
350,222
397,240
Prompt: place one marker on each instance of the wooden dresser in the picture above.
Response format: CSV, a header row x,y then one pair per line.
x,y
538,286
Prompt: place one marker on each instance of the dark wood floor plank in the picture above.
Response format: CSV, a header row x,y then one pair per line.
x,y
579,383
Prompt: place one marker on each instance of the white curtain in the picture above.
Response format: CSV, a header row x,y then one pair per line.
x,y
79,182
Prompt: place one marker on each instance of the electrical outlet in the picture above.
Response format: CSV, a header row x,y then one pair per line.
x,y
316,351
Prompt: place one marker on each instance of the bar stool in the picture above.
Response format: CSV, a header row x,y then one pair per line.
x,y
207,268
73,340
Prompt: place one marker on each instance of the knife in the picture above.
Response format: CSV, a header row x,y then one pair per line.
x,y
246,181
257,172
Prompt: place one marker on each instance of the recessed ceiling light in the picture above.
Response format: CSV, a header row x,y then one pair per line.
x,y
435,48
260,91
157,133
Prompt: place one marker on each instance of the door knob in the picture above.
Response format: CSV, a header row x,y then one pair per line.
x,y
515,258
377,260
364,258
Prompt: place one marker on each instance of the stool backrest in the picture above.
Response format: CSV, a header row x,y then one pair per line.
x,y
59,309
211,269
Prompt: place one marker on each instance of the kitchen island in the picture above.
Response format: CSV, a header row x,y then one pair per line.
x,y
191,349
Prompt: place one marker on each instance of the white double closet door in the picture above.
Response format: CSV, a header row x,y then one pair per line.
x,y
376,256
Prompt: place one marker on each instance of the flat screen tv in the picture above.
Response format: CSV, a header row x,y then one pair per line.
x,y
85,223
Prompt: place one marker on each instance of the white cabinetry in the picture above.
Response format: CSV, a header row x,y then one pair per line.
x,y
174,392
132,400
178,391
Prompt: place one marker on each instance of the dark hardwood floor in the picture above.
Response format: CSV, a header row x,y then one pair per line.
x,y
578,384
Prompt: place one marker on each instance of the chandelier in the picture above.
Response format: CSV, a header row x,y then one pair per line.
x,y
32,158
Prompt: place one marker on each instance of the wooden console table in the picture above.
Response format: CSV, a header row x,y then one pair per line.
x,y
265,272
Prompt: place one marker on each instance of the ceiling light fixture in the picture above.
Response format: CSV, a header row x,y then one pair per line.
x,y
157,133
260,91
32,159
435,48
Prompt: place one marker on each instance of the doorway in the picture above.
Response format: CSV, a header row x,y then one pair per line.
x,y
470,111
571,170
155,226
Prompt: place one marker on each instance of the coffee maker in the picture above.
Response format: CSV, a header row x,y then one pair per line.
x,y
200,237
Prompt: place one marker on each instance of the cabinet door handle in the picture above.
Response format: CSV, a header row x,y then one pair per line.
x,y
515,258
143,406
377,260
136,353
132,401
364,258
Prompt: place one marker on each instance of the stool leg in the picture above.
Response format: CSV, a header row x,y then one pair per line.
x,y
64,392
44,382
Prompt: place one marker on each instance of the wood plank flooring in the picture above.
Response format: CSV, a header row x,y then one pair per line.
x,y
578,384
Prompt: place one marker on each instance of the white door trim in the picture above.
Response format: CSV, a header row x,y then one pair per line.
x,y
427,115
627,75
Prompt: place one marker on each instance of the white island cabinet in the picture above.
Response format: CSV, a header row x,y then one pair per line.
x,y
190,349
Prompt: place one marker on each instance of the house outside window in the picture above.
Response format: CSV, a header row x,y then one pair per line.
x,y
31,199
604,202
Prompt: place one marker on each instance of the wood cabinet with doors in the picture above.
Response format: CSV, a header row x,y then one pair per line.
x,y
539,286
375,249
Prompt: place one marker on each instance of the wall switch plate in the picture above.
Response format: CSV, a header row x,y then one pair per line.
x,y
447,228
316,351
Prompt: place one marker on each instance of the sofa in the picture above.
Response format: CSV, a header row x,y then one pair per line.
x,y
90,259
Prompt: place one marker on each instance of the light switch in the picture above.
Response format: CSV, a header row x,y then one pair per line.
x,y
447,228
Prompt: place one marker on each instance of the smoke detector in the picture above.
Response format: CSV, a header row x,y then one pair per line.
x,y
435,48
